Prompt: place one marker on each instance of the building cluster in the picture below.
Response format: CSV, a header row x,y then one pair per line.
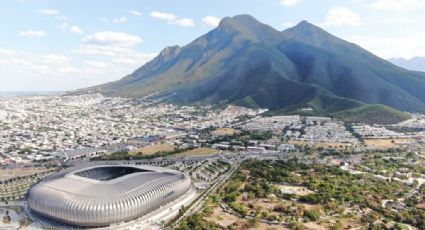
x,y
310,129
327,130
38,128
417,121
41,127
376,132
275,123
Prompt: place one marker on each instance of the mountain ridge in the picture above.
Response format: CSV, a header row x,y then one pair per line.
x,y
246,62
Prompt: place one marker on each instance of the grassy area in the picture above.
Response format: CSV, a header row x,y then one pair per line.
x,y
377,114
152,149
198,152
225,132
346,110
381,143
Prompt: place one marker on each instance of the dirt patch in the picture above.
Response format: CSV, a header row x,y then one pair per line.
x,y
198,152
221,218
383,143
345,223
297,190
242,225
225,219
320,144
152,149
225,132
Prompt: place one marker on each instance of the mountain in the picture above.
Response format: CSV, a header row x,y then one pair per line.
x,y
246,62
415,63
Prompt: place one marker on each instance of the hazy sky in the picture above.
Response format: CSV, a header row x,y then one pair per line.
x,y
69,44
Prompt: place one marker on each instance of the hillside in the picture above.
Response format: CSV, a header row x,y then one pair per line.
x,y
373,114
246,62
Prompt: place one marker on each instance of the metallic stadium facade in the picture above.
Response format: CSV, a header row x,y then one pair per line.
x,y
102,195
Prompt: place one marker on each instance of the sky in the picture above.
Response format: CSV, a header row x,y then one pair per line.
x,y
55,45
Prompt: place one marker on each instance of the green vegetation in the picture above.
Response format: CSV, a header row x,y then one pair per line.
x,y
346,110
345,200
377,114
196,222
246,102
334,190
401,129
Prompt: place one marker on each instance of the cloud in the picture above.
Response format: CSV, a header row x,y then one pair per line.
x,y
27,64
64,26
290,2
125,61
406,46
397,4
119,20
96,64
288,24
120,55
186,22
33,33
396,20
115,52
61,18
135,12
112,38
49,12
32,71
99,50
7,52
211,21
73,29
339,16
163,16
52,59
68,70
121,60
173,19
76,30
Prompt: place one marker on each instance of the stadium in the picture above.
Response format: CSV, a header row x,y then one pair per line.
x,y
98,196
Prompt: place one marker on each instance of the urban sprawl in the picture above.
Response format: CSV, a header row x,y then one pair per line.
x,y
215,146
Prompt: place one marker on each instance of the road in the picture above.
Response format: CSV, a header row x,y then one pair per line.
x,y
199,203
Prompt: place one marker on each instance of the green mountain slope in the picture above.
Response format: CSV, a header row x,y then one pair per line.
x,y
374,114
245,62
